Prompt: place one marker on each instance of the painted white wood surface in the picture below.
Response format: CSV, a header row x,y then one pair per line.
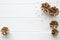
x,y
25,19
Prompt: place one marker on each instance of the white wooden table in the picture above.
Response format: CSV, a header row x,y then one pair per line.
x,y
26,21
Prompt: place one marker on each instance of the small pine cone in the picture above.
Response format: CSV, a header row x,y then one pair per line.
x,y
5,31
55,32
45,7
53,11
54,24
